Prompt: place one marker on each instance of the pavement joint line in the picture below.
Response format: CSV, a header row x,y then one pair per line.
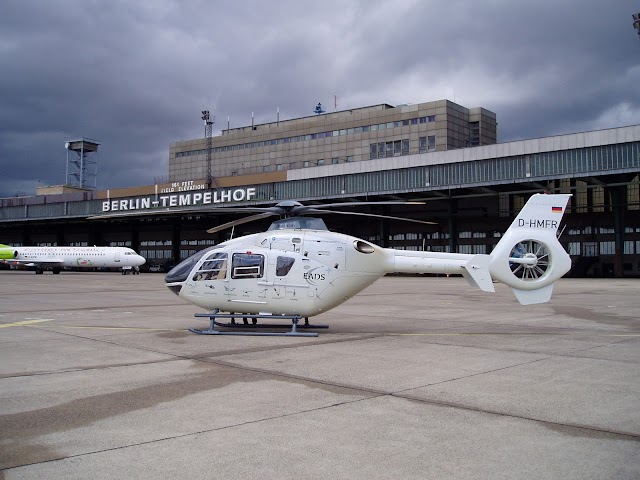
x,y
509,334
369,334
371,395
634,435
325,407
190,434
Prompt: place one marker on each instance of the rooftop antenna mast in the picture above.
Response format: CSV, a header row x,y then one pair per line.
x,y
208,134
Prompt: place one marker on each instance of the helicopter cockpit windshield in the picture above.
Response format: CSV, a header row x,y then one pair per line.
x,y
180,272
299,223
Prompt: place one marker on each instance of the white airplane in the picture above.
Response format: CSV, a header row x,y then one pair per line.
x,y
56,258
298,268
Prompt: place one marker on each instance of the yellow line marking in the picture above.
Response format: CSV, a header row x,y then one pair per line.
x,y
122,328
24,323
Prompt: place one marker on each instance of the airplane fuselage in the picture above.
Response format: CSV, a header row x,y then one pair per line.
x,y
77,257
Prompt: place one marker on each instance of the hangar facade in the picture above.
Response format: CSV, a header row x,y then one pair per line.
x,y
471,192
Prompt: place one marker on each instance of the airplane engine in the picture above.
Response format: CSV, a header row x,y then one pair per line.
x,y
7,253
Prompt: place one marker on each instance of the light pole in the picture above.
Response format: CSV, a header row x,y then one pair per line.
x,y
208,132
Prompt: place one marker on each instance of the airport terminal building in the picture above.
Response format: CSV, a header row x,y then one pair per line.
x,y
439,153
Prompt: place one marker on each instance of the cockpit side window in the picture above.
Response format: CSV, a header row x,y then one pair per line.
x,y
283,266
213,268
247,265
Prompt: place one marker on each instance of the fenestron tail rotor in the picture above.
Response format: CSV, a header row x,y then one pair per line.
x,y
529,260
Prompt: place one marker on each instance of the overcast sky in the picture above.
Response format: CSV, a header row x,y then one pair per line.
x,y
135,74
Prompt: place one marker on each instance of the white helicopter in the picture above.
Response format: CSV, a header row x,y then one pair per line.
x,y
298,268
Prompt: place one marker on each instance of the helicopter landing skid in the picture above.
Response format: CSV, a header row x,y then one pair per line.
x,y
213,316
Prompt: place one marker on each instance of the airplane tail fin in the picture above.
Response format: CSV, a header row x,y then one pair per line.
x,y
529,258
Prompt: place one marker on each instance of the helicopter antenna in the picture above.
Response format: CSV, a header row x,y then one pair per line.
x,y
561,231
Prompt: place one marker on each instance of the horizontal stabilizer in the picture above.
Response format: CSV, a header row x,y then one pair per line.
x,y
530,297
476,271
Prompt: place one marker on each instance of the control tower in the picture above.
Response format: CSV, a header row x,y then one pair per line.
x,y
82,162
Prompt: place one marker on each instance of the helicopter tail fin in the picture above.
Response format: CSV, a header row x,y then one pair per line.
x,y
476,272
529,258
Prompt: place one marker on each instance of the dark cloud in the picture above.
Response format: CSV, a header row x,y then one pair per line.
x,y
135,75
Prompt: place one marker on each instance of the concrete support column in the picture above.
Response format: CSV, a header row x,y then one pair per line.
x,y
135,237
175,242
26,237
618,195
384,232
95,235
452,225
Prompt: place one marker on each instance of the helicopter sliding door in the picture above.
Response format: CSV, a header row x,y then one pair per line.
x,y
247,283
287,291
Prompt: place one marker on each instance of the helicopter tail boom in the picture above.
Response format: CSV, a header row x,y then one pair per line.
x,y
529,258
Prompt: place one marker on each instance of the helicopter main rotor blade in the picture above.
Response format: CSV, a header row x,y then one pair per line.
x,y
355,204
338,212
240,221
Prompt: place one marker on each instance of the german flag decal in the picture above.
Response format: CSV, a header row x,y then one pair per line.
x,y
556,209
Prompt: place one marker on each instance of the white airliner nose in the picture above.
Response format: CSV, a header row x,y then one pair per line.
x,y
140,260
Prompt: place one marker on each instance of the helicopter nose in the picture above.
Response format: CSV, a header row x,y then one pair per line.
x,y
175,287
175,278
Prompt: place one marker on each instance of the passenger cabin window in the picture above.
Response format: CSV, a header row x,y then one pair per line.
x,y
283,265
247,265
213,268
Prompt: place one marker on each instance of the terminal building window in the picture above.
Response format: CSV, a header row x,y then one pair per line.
x,y
422,144
607,248
574,248
628,247
427,144
389,149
